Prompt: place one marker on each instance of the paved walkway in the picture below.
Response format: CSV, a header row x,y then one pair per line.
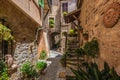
x,y
54,68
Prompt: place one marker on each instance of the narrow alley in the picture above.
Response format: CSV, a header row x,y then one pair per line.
x,y
59,39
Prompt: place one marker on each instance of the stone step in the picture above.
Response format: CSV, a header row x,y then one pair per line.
x,y
72,66
72,35
73,43
71,63
75,59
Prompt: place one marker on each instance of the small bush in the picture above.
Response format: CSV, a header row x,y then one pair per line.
x,y
28,69
43,55
3,71
41,65
2,66
91,48
4,76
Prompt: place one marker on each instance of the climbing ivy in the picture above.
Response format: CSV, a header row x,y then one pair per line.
x,y
5,33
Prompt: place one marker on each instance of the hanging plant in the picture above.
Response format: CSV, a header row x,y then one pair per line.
x,y
5,33
51,21
72,31
51,25
65,13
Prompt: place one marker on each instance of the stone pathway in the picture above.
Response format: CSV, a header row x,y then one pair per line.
x,y
54,68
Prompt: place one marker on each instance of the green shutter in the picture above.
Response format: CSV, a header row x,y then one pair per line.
x,y
41,3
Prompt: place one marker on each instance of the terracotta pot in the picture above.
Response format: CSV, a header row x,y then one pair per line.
x,y
85,37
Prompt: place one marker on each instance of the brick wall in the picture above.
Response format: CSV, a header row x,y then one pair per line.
x,y
91,17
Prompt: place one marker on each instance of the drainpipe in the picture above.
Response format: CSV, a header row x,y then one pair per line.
x,y
36,37
35,41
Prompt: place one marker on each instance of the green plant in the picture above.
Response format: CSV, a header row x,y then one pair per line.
x,y
93,73
64,13
91,48
2,66
72,31
64,33
4,76
43,55
51,21
28,70
40,65
5,33
51,25
80,52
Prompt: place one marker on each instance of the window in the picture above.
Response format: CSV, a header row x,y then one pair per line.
x,y
65,7
5,45
50,2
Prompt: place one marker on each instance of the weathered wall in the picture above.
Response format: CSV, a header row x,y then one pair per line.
x,y
30,7
23,29
91,17
42,44
65,27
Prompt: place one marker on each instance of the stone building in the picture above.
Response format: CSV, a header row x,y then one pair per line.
x,y
52,24
66,7
101,19
24,18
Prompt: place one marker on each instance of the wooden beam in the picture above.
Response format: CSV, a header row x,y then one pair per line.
x,y
76,18
76,26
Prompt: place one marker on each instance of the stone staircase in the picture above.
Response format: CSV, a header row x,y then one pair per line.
x,y
72,60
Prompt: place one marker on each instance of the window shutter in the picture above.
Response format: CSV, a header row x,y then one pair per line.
x,y
41,3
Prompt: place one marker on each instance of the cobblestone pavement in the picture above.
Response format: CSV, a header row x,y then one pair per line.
x,y
53,70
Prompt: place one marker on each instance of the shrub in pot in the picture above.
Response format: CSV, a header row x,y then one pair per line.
x,y
28,70
40,66
43,55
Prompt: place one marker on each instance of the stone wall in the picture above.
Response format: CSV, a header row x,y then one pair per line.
x,y
42,44
24,30
22,54
91,17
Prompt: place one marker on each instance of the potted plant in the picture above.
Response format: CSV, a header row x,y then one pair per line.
x,y
51,23
28,71
41,66
85,35
64,13
43,55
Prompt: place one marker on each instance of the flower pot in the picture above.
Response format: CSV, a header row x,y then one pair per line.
x,y
86,37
